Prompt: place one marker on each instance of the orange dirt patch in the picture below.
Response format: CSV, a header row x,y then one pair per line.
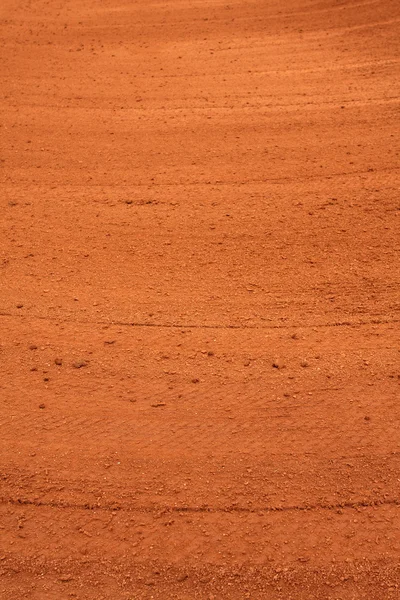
x,y
199,300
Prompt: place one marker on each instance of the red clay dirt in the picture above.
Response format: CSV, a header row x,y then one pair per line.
x,y
199,263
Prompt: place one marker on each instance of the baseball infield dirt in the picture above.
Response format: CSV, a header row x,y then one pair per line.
x,y
199,300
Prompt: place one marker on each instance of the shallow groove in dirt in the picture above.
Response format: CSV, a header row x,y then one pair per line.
x,y
205,509
204,326
232,183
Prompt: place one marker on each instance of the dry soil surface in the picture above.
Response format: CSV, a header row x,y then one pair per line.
x,y
199,300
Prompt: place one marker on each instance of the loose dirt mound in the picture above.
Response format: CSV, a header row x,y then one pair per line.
x,y
199,300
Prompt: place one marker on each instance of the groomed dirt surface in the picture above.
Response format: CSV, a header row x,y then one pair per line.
x,y
199,269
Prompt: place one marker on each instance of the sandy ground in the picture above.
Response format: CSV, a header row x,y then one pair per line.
x,y
199,300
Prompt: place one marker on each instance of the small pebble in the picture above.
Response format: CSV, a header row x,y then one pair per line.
x,y
32,347
79,364
277,364
58,361
42,406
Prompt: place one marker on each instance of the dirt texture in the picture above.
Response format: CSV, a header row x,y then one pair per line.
x,y
199,300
